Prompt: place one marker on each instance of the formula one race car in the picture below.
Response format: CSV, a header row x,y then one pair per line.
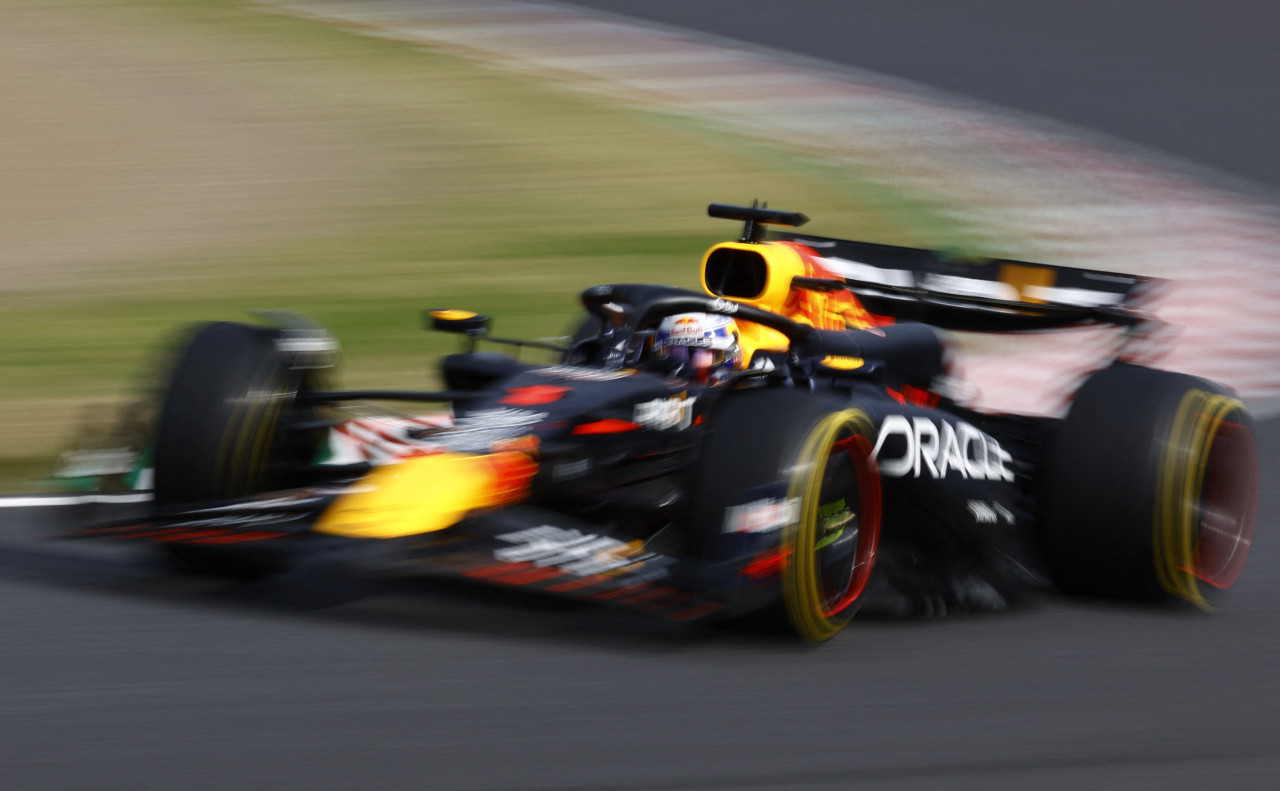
x,y
783,446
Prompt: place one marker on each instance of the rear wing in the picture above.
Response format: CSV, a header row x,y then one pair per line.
x,y
983,295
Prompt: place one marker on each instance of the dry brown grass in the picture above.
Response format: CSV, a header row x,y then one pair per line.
x,y
164,161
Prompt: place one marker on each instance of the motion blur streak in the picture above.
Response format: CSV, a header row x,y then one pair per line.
x,y
997,182
116,677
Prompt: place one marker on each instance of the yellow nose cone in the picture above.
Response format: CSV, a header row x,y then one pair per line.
x,y
426,494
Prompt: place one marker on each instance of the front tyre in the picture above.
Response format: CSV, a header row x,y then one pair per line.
x,y
230,425
809,456
228,420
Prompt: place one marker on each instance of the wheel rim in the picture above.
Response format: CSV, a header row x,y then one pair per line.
x,y
832,544
844,559
1228,507
244,456
1207,505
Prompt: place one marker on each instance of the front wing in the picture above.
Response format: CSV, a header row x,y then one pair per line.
x,y
525,547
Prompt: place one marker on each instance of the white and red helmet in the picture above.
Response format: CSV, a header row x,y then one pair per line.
x,y
704,345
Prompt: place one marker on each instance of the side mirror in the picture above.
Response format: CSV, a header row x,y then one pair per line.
x,y
461,321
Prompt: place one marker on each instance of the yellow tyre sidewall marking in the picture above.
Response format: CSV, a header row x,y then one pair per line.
x,y
250,431
1181,485
800,583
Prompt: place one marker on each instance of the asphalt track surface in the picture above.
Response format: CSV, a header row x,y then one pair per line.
x,y
119,674
1191,78
122,674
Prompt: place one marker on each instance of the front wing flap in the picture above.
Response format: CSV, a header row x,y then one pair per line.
x,y
523,546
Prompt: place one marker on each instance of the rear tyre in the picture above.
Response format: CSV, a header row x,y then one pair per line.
x,y
1150,488
229,426
820,450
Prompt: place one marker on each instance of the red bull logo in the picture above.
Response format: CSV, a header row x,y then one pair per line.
x,y
687,327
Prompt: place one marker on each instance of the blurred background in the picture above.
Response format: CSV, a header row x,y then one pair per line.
x,y
167,161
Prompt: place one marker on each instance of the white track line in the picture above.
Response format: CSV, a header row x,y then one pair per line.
x,y
42,501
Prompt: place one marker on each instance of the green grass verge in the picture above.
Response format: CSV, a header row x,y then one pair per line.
x,y
468,187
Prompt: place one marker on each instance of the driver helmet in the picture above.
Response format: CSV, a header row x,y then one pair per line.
x,y
699,346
